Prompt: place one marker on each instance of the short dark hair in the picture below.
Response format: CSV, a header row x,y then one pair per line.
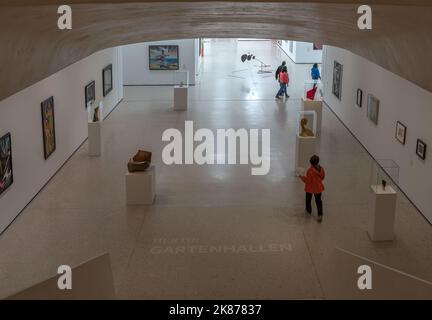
x,y
283,63
314,160
315,65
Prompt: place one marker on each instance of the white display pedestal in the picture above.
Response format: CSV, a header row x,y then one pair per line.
x,y
305,149
314,105
140,187
381,224
95,139
181,97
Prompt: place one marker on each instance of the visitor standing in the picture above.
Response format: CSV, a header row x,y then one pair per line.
x,y
314,186
278,71
284,81
315,74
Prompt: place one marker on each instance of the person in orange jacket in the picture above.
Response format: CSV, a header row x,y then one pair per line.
x,y
284,81
314,186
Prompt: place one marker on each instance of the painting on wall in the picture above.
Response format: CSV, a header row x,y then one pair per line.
x,y
48,127
337,80
90,93
107,80
401,132
359,98
6,173
373,108
421,149
164,57
317,46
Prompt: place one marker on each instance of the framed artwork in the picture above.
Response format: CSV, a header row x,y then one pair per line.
x,y
337,80
107,80
6,172
48,127
421,149
401,132
373,108
164,57
90,93
359,101
317,46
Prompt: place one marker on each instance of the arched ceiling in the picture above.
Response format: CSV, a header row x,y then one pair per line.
x,y
32,47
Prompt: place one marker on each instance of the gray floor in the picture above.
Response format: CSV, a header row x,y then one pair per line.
x,y
214,231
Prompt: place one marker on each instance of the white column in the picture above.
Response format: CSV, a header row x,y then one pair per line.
x,y
382,219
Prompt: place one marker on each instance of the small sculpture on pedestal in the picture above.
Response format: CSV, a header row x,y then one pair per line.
x,y
140,162
305,132
96,115
384,184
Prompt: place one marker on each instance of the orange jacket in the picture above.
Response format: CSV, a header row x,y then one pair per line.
x,y
284,77
313,180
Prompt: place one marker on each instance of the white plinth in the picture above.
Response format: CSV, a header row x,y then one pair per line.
x,y
381,224
305,149
181,97
140,187
314,105
95,139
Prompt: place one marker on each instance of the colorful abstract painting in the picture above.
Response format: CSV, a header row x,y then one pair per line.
x,y
48,127
164,57
6,173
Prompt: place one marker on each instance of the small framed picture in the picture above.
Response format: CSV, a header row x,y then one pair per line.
x,y
90,93
373,108
107,80
337,80
359,98
421,149
401,132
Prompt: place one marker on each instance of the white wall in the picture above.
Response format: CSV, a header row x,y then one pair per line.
x,y
400,100
20,115
198,58
303,52
136,63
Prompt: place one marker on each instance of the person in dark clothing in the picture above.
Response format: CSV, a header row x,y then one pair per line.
x,y
314,186
279,69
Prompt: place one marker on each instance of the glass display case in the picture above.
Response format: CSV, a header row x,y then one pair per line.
x,y
312,90
95,112
306,124
384,176
181,78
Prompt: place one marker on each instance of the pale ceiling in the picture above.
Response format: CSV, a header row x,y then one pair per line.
x,y
32,47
